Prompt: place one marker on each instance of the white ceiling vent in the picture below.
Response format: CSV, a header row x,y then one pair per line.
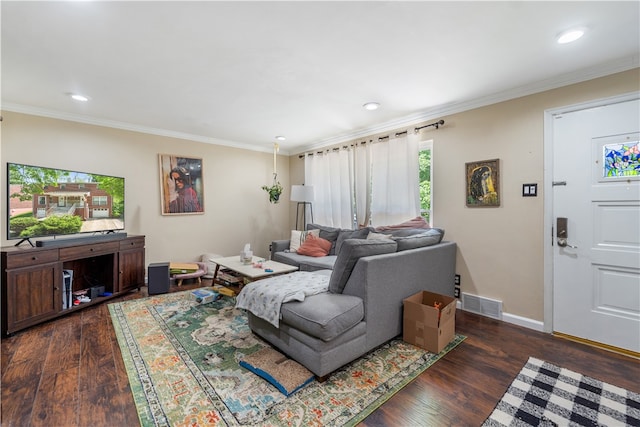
x,y
481,305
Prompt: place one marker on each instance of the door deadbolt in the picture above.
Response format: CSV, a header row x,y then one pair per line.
x,y
562,233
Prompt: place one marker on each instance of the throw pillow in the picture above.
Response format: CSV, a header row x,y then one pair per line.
x,y
417,222
298,238
314,246
329,233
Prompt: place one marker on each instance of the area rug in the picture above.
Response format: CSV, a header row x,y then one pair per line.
x,y
182,359
546,395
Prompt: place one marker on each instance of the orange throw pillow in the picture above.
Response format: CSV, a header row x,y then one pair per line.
x,y
315,246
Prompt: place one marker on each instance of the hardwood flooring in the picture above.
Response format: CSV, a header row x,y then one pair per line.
x,y
69,372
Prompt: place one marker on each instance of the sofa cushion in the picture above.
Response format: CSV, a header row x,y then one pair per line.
x,y
305,263
350,234
328,233
372,236
404,232
429,237
351,251
314,246
324,316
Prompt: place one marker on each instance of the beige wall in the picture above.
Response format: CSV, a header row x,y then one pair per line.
x,y
237,210
500,250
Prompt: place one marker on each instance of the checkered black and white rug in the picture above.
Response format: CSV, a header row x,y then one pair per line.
x,y
546,395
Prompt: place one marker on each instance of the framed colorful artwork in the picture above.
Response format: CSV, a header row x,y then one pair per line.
x,y
483,183
616,158
181,185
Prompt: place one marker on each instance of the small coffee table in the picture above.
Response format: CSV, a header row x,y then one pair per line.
x,y
250,271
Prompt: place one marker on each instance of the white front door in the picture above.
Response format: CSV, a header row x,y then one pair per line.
x,y
596,193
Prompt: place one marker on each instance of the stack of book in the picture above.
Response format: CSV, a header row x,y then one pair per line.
x,y
227,277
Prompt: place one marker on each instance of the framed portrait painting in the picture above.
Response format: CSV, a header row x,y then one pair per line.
x,y
483,183
181,185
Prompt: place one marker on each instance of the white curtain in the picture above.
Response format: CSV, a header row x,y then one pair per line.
x,y
395,193
331,175
362,184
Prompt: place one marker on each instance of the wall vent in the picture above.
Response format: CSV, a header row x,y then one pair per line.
x,y
481,305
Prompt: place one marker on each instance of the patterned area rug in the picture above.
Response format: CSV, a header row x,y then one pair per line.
x,y
182,359
546,395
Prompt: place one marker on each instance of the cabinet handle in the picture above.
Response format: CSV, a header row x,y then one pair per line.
x,y
91,250
33,258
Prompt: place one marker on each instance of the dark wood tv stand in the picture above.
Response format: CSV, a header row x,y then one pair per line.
x,y
32,277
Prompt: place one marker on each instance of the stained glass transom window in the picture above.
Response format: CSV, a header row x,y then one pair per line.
x,y
621,159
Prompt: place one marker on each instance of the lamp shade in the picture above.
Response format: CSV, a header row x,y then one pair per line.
x,y
302,193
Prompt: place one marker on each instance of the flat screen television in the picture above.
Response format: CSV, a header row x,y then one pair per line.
x,y
45,201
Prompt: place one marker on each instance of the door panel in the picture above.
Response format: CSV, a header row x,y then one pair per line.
x,y
596,275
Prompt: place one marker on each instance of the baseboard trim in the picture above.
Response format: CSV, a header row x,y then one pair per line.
x,y
536,325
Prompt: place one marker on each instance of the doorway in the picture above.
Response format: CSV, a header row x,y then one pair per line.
x,y
592,222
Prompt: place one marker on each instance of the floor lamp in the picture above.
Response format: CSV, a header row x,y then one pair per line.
x,y
303,194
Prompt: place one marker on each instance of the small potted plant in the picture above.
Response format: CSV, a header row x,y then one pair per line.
x,y
274,191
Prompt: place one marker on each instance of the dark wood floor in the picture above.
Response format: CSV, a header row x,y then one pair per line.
x,y
69,372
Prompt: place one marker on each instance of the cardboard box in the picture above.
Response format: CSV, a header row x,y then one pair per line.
x,y
426,326
204,296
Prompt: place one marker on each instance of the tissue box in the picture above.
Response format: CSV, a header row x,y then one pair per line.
x,y
203,296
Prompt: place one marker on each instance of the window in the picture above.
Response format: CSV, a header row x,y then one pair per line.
x,y
99,200
42,200
377,180
424,158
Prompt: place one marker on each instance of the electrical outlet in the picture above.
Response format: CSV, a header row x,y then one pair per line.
x,y
457,280
456,292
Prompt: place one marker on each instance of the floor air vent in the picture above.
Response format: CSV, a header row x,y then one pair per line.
x,y
481,305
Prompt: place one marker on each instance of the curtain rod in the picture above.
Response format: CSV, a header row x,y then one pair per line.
x,y
382,138
436,124
417,129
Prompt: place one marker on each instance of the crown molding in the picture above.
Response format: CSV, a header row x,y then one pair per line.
x,y
605,69
35,111
602,70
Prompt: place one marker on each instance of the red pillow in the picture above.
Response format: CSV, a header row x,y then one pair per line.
x,y
314,246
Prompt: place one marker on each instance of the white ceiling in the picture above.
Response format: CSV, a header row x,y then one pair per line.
x,y
240,73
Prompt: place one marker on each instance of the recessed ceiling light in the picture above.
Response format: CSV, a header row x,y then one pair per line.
x,y
371,106
280,138
79,97
570,35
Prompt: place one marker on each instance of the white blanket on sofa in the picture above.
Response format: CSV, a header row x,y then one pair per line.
x,y
264,297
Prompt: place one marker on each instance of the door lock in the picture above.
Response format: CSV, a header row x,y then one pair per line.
x,y
562,233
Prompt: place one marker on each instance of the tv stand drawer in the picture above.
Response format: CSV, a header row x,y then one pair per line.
x,y
16,260
86,251
132,243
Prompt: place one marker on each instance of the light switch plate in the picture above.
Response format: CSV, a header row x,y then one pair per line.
x,y
529,190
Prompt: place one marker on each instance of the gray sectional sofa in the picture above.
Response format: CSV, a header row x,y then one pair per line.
x,y
369,278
